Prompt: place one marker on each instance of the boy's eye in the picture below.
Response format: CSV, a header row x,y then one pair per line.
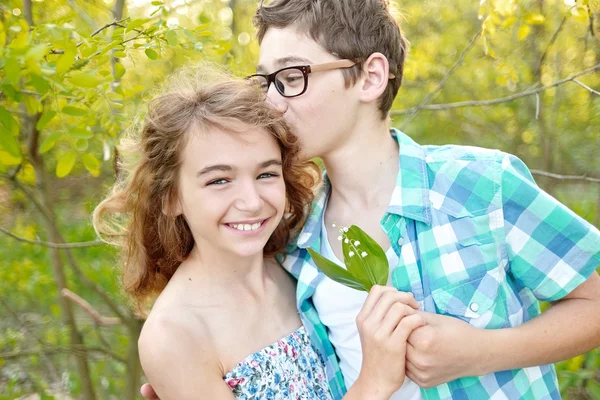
x,y
268,175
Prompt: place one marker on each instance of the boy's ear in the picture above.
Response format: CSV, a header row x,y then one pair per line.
x,y
171,206
375,77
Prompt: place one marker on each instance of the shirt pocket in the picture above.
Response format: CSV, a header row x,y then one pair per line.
x,y
480,301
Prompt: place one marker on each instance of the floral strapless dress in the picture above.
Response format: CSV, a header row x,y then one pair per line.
x,y
290,368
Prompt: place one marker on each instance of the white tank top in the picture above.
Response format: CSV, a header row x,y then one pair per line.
x,y
338,307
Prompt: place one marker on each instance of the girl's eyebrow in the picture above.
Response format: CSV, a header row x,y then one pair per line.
x,y
229,168
211,168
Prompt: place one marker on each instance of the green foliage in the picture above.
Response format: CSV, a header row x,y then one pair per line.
x,y
365,261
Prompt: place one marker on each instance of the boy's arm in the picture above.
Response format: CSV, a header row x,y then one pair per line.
x,y
551,251
447,348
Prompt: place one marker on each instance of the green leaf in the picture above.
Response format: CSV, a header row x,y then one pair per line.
x,y
40,84
91,163
84,79
49,142
45,119
80,133
153,55
524,31
372,268
9,142
119,70
119,54
65,61
65,164
12,71
136,23
7,120
336,273
32,105
37,52
171,36
535,19
74,111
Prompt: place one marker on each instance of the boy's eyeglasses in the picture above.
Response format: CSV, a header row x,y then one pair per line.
x,y
293,81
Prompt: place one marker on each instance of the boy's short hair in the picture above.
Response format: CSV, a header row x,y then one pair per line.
x,y
352,29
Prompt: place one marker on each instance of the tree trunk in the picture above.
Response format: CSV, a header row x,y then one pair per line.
x,y
29,131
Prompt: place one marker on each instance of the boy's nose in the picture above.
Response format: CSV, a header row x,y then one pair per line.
x,y
276,100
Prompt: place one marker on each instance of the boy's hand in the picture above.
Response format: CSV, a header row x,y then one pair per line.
x,y
386,320
443,350
148,392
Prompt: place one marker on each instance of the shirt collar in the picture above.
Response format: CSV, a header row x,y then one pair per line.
x,y
409,199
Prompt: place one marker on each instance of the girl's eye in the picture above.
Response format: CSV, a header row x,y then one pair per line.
x,y
268,175
217,182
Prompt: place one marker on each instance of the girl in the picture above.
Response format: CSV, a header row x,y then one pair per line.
x,y
214,194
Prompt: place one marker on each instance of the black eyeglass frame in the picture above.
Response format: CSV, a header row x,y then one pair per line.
x,y
307,69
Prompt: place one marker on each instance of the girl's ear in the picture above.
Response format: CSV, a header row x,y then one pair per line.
x,y
171,205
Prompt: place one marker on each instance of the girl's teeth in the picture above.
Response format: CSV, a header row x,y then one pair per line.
x,y
246,227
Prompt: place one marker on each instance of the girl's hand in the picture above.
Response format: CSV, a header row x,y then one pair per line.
x,y
385,322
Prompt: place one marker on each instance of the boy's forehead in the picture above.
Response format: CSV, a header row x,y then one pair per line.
x,y
282,47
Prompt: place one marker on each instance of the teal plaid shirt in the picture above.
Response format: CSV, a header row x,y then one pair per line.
x,y
476,240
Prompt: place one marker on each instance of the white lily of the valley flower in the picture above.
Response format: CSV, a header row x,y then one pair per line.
x,y
363,254
356,243
351,254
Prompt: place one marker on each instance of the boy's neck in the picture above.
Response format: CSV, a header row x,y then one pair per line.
x,y
363,169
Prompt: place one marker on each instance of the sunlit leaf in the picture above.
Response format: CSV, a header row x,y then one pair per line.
x,y
37,52
80,133
65,61
153,55
9,142
49,142
90,162
45,119
65,164
12,71
535,19
119,70
524,31
74,111
136,23
84,79
171,37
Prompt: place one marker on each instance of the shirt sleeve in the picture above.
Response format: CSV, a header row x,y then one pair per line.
x,y
551,250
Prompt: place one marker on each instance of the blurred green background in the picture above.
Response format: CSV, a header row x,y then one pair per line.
x,y
518,75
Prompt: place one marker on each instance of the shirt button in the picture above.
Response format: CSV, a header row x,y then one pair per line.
x,y
400,241
474,307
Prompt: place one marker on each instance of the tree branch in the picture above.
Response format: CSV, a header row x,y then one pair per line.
x,y
97,31
53,245
479,103
85,280
62,349
564,177
440,85
87,307
587,87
